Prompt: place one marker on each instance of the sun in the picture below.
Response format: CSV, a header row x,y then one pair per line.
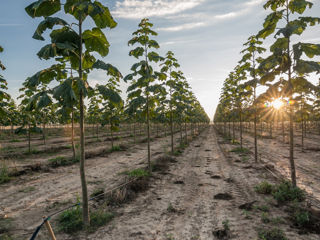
x,y
277,104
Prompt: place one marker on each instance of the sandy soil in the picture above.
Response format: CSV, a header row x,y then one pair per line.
x,y
205,170
29,197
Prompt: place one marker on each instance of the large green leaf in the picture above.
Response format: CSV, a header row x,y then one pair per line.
x,y
309,49
43,8
96,41
109,94
47,23
305,67
137,52
101,16
299,6
111,70
270,24
280,43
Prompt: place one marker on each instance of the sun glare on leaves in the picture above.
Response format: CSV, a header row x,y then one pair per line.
x,y
277,103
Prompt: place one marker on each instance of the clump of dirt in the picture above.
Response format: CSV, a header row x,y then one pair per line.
x,y
247,206
161,164
128,192
178,182
216,177
223,196
221,234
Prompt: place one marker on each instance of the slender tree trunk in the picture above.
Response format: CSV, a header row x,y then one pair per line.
x,y
185,130
85,204
111,136
171,129
148,135
255,129
44,133
29,138
240,115
72,135
291,157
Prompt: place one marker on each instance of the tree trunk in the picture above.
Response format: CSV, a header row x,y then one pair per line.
x,y
29,139
85,204
240,115
148,135
44,133
72,135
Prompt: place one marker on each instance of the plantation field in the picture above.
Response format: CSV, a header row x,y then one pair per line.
x,y
206,191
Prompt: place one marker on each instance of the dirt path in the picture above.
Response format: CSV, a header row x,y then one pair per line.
x,y
27,199
184,203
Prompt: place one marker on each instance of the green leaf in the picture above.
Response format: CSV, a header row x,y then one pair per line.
x,y
299,6
138,52
111,70
309,49
154,57
48,23
109,94
280,43
101,16
305,67
44,101
43,8
96,41
270,24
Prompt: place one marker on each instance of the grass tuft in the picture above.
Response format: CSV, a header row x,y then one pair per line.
x,y
271,234
264,188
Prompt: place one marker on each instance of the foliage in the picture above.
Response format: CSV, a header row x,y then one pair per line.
x,y
271,234
4,174
264,188
285,192
140,172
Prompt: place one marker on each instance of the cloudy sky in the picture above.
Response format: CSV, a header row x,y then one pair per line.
x,y
205,35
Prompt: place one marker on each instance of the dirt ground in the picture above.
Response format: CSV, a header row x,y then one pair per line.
x,y
184,203
200,193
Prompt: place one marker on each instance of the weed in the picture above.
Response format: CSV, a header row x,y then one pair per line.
x,y
271,234
240,150
4,174
264,188
139,172
170,237
171,209
246,214
15,140
99,219
33,151
286,192
116,149
63,161
70,221
226,225
27,189
244,159
265,217
277,220
263,208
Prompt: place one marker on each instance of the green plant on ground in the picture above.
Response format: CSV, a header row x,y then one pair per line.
x,y
246,214
97,192
271,234
265,217
116,149
263,208
264,188
70,221
170,208
285,192
4,174
240,150
139,172
277,220
300,217
15,140
63,161
99,219
226,225
27,189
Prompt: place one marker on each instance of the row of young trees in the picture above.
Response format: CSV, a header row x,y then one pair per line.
x,y
285,74
158,89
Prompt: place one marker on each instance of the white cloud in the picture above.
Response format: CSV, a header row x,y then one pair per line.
x,y
181,27
136,9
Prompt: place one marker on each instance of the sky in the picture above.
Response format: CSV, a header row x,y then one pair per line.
x,y
206,37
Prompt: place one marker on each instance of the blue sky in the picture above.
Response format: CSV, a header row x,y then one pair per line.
x,y
205,35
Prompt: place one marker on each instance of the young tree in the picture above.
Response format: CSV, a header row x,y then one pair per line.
x,y
76,45
249,63
286,55
145,85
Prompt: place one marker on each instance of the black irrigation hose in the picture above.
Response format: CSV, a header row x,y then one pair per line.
x,y
34,235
